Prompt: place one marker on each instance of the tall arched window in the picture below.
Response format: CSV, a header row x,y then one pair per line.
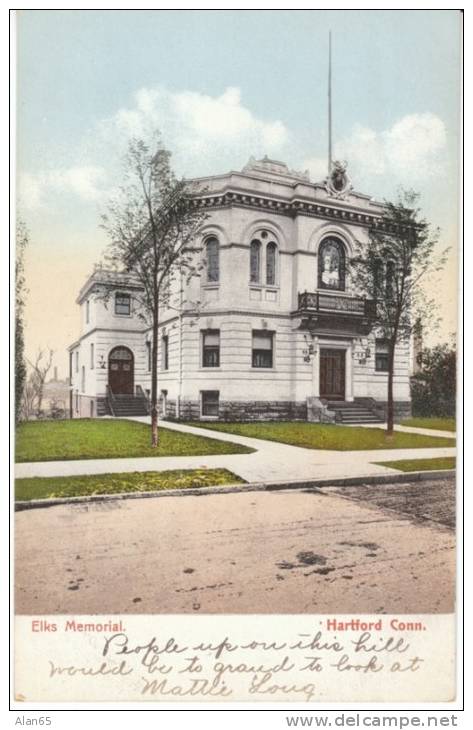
x,y
255,261
271,256
331,264
378,276
390,279
213,263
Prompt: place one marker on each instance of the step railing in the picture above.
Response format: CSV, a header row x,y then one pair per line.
x,y
144,398
111,400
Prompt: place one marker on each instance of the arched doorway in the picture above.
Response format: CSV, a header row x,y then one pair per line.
x,y
121,371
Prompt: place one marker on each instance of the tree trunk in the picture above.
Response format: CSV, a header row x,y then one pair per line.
x,y
154,379
40,396
390,413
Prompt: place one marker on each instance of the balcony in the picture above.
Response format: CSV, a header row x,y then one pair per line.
x,y
329,312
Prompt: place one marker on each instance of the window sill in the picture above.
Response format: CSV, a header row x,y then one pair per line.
x,y
339,292
271,287
209,418
204,368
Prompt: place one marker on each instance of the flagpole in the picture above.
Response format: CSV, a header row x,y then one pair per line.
x,y
330,102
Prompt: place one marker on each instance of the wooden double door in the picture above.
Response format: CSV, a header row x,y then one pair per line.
x,y
332,374
121,371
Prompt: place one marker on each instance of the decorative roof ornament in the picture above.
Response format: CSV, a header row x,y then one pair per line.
x,y
274,167
338,184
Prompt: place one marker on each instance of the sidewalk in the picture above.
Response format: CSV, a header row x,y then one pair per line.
x,y
272,461
408,429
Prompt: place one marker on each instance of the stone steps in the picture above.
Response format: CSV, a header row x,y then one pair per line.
x,y
353,412
129,405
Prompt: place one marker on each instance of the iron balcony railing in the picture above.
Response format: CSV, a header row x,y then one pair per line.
x,y
323,302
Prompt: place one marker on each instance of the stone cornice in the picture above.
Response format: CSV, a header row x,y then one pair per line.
x,y
104,279
107,329
290,208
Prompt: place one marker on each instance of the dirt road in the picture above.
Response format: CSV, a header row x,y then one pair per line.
x,y
377,549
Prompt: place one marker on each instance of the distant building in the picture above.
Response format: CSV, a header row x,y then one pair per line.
x,y
279,332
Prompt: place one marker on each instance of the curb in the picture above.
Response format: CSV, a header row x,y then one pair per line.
x,y
413,476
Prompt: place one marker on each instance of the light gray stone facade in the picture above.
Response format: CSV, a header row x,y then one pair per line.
x,y
272,321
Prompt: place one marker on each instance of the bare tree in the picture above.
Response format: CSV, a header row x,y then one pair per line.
x,y
34,389
152,223
389,269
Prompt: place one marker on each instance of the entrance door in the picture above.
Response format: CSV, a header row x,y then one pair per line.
x,y
332,374
121,371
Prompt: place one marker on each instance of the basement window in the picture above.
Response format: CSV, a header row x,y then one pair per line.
x,y
209,402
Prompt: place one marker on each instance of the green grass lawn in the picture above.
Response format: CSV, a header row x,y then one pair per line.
x,y
440,424
421,464
148,481
330,437
109,439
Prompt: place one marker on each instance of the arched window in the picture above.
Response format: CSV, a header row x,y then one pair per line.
x,y
390,279
271,255
331,264
213,263
378,276
255,261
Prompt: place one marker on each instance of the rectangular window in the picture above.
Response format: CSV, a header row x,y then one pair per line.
x,y
122,304
148,353
165,352
77,361
164,395
211,349
91,356
262,349
210,402
382,356
87,312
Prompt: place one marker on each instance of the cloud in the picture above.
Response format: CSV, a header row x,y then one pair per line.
x,y
213,134
36,189
410,151
317,167
206,134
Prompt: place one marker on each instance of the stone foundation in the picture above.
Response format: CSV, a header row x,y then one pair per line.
x,y
242,411
317,412
402,409
313,410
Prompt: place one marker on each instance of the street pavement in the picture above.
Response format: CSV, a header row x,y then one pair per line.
x,y
365,549
272,461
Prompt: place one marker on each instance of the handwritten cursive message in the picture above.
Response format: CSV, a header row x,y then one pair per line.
x,y
290,658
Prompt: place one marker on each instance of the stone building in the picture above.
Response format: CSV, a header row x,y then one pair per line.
x,y
272,329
